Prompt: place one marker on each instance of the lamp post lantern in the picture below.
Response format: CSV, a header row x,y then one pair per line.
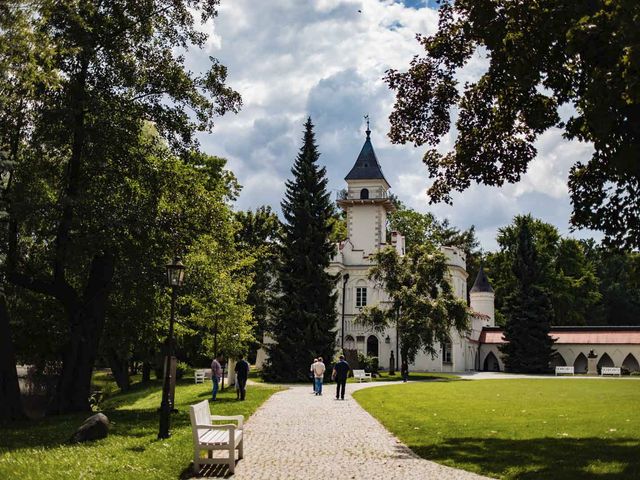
x,y
175,279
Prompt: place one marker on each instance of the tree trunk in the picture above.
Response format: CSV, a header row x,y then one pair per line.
x,y
146,372
10,400
86,320
119,369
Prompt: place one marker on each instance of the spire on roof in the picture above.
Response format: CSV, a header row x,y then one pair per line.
x,y
366,166
482,282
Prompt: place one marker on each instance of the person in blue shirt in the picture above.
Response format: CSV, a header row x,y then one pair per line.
x,y
340,373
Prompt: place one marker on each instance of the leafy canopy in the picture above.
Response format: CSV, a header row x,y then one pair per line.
x,y
542,56
421,300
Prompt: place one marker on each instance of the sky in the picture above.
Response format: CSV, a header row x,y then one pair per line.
x,y
290,59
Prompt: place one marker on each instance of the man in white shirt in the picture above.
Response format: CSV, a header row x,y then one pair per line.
x,y
313,377
318,369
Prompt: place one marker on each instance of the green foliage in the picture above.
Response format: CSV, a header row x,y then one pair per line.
x,y
419,228
619,279
566,272
543,56
422,304
131,450
303,325
527,308
517,429
258,235
368,363
87,196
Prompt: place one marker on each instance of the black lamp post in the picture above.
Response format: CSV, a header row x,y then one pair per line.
x,y
175,279
345,278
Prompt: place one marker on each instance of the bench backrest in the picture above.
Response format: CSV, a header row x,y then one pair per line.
x,y
200,415
610,371
358,373
564,370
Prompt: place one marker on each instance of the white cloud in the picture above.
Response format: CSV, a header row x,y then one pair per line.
x,y
324,58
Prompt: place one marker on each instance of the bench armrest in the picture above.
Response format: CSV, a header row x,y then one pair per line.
x,y
237,418
225,426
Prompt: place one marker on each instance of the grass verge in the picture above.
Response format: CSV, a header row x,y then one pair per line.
x,y
37,449
517,429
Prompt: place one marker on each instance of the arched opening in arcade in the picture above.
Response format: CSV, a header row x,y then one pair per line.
x,y
631,363
557,360
580,364
491,363
605,361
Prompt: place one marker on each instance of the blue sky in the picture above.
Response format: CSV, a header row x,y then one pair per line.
x,y
326,58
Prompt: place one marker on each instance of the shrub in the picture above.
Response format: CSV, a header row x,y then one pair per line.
x,y
182,368
369,364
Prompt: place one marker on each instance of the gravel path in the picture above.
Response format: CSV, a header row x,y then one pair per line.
x,y
296,435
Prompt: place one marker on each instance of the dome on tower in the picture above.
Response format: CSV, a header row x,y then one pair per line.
x,y
482,282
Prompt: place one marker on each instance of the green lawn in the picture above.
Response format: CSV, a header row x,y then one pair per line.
x,y
524,429
385,377
37,449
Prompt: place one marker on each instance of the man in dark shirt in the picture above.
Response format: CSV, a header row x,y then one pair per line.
x,y
340,373
242,373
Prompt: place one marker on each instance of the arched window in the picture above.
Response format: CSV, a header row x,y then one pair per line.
x,y
364,193
631,363
349,343
372,346
491,363
580,365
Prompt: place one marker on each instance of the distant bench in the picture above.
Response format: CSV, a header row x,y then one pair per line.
x,y
565,370
611,371
361,375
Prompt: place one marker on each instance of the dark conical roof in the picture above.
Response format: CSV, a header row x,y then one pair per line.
x,y
482,282
366,166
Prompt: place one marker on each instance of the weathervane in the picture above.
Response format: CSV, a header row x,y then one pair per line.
x,y
368,130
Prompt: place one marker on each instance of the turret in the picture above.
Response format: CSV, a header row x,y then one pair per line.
x,y
367,201
482,297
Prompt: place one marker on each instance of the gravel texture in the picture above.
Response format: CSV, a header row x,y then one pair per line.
x,y
297,435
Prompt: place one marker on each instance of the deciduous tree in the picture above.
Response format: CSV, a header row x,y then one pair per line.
x,y
542,56
421,304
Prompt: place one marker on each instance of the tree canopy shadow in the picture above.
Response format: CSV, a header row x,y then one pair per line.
x,y
540,458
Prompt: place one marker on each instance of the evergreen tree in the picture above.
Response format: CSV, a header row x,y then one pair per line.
x,y
304,320
528,309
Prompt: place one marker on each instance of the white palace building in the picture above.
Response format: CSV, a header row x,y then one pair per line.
x,y
367,204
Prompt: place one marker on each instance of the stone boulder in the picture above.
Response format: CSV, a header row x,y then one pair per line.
x,y
94,428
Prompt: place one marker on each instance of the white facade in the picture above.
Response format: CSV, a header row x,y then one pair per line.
x,y
366,205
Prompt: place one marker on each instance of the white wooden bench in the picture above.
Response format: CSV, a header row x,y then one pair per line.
x,y
199,376
208,437
611,371
361,375
565,370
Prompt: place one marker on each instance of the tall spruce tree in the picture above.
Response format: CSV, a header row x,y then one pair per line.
x,y
528,309
303,325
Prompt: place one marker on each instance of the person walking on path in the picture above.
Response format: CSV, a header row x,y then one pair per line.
x,y
318,369
242,373
404,371
312,376
216,375
340,373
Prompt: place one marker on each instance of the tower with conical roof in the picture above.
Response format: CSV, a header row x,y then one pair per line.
x,y
482,297
367,201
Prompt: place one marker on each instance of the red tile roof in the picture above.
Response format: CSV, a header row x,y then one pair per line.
x,y
577,336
